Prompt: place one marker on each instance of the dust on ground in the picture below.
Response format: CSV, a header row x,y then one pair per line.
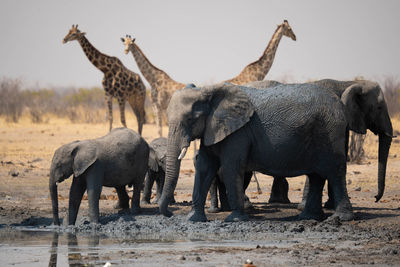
x,y
272,237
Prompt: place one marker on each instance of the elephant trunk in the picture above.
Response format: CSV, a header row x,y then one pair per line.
x,y
384,145
54,198
171,174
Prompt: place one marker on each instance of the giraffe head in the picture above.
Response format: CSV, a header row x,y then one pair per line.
x,y
287,30
73,34
128,42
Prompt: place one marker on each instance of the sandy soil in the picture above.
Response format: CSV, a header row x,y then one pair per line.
x,y
273,236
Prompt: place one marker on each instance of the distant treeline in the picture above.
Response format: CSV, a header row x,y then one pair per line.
x,y
87,105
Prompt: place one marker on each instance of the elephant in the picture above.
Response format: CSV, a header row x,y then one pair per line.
x,y
156,171
288,130
114,160
365,109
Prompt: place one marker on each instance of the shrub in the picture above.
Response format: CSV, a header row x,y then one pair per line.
x,y
11,101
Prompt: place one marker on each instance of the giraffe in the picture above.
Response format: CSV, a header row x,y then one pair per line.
x,y
257,70
118,81
162,86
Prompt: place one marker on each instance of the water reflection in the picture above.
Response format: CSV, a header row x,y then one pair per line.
x,y
75,258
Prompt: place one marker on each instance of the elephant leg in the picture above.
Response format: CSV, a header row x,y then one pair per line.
x,y
94,183
247,178
148,185
330,204
223,198
78,188
343,208
135,202
233,177
123,198
313,207
279,191
206,170
306,189
214,197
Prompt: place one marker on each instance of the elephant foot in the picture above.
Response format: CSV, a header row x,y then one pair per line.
x,y
318,216
121,206
167,213
196,216
344,215
173,201
144,202
301,205
282,200
329,204
237,216
247,205
213,210
136,210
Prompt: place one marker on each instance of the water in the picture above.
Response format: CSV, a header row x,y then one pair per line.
x,y
30,247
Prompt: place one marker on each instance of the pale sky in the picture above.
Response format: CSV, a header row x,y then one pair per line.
x,y
200,41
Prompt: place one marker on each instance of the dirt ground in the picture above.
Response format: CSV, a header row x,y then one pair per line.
x,y
272,237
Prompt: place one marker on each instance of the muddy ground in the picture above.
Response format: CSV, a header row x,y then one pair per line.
x,y
272,237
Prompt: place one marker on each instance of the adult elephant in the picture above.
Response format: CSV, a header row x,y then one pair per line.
x,y
288,130
365,109
120,158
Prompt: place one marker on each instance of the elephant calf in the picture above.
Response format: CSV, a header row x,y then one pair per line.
x,y
156,171
115,160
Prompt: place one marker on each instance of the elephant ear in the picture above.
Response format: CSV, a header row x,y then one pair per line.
x,y
230,109
352,99
84,154
153,165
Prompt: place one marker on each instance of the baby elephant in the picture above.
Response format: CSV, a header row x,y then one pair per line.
x,y
115,160
156,171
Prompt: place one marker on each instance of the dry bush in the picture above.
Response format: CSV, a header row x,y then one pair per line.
x,y
11,101
85,105
391,89
40,103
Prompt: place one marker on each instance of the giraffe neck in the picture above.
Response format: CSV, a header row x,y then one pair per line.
x,y
97,58
152,74
266,60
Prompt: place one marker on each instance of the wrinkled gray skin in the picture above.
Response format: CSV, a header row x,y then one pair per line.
x,y
115,160
365,109
156,171
245,129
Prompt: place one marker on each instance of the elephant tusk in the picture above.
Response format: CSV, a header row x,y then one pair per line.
x,y
183,153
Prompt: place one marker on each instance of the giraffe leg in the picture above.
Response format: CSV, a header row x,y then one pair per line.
x,y
137,105
109,105
156,109
121,102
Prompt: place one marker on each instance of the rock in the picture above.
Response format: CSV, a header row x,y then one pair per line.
x,y
13,173
248,263
198,258
349,181
357,189
298,228
181,258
